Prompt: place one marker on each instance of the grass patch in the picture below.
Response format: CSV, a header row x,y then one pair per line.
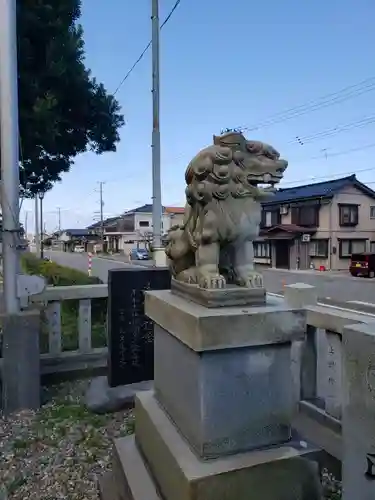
x,y
56,275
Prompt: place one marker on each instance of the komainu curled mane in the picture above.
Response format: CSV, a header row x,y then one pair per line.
x,y
214,246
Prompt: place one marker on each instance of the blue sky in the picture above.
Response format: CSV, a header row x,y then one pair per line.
x,y
223,64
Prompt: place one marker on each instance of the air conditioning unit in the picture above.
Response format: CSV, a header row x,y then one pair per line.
x,y
306,238
284,210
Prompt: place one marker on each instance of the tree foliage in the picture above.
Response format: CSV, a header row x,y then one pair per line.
x,y
63,110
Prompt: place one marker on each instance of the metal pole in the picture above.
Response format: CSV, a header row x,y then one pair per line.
x,y
101,214
9,152
156,182
26,217
59,212
36,229
41,228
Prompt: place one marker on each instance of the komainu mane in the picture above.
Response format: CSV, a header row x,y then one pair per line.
x,y
214,246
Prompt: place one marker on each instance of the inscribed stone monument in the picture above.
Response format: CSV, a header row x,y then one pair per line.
x,y
130,331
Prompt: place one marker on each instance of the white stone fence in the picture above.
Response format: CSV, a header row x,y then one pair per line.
x,y
57,360
334,373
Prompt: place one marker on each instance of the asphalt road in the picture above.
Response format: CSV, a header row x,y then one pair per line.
x,y
338,286
100,266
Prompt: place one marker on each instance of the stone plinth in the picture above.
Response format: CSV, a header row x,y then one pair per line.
x,y
218,425
231,295
283,473
225,400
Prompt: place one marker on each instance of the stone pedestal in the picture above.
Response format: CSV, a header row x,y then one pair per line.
x,y
218,425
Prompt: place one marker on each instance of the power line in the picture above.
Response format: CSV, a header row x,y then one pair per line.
x,y
302,140
340,153
138,60
331,99
324,177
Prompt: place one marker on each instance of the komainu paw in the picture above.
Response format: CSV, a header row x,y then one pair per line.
x,y
211,281
252,280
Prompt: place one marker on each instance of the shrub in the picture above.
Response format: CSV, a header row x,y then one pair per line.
x,y
57,275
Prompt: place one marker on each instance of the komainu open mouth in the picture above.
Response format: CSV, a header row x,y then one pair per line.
x,y
265,181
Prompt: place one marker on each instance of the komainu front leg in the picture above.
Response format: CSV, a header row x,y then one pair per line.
x,y
207,262
245,274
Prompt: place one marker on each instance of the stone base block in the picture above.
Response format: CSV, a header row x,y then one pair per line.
x,y
101,398
231,295
280,473
130,473
225,401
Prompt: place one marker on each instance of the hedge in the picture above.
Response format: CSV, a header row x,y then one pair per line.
x,y
57,275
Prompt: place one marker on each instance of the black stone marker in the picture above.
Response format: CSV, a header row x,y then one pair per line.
x,y
130,331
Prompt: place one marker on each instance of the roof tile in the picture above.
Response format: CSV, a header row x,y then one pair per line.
x,y
318,190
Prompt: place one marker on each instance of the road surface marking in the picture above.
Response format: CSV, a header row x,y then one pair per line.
x,y
359,302
362,313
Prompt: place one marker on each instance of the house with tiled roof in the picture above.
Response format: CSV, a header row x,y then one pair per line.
x,y
133,228
317,225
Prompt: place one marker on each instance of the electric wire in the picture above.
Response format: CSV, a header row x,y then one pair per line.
x,y
140,57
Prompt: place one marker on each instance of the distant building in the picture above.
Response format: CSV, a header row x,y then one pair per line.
x,y
317,225
134,228
68,239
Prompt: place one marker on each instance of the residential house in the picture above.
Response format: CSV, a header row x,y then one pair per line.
x,y
134,228
317,225
176,215
69,238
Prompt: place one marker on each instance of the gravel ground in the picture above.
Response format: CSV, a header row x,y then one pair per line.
x,y
58,452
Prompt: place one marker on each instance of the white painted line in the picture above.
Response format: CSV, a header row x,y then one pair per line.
x,y
333,307
371,304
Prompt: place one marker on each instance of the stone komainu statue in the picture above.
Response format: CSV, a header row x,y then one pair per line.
x,y
214,246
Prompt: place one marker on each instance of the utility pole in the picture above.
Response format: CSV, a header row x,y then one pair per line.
x,y
26,220
59,216
157,209
101,184
36,225
9,152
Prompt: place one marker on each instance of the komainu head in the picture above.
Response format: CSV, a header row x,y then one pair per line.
x,y
259,161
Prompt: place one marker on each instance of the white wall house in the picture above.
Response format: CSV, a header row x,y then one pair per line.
x,y
133,229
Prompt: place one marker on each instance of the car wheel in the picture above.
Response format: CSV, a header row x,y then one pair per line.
x,y
371,274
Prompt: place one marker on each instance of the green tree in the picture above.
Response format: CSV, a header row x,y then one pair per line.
x,y
63,110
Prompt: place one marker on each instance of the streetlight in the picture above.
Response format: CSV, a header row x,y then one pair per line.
x,y
41,196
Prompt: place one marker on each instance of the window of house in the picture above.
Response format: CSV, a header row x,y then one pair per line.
x,y
372,247
307,216
318,248
372,212
262,249
271,218
144,223
347,247
348,215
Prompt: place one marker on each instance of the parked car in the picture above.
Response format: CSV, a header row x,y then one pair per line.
x,y
79,249
139,254
362,264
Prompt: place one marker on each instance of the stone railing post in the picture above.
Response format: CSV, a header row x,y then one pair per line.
x,y
301,295
358,465
21,361
304,353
